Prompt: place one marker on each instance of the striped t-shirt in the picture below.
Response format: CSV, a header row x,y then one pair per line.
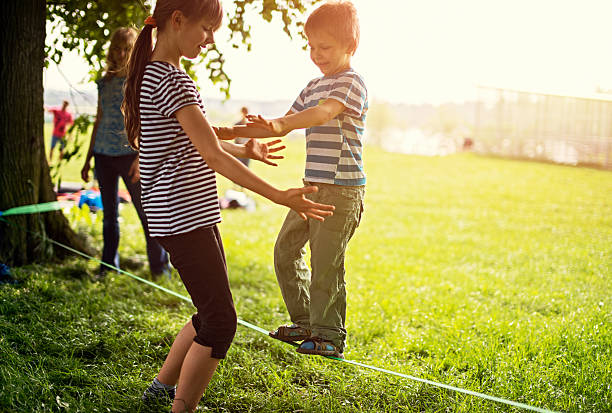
x,y
334,150
179,190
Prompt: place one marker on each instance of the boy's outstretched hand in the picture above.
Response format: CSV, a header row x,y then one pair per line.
x,y
273,125
263,151
224,133
294,198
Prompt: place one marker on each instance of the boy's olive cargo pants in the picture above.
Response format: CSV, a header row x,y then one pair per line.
x,y
317,300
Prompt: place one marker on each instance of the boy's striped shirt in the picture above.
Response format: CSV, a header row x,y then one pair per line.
x,y
334,150
179,190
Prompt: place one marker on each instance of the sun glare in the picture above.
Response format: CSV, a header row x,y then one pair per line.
x,y
434,51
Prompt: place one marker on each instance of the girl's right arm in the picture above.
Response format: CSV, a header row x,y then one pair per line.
x,y
92,141
203,137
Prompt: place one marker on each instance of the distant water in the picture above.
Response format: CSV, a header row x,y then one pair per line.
x,y
418,142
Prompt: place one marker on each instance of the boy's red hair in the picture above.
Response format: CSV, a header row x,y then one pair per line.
x,y
338,18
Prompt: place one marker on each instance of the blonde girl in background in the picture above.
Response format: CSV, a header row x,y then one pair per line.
x,y
114,158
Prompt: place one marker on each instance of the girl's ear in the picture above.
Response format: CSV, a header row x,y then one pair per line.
x,y
177,19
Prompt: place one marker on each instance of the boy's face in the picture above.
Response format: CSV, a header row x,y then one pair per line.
x,y
330,55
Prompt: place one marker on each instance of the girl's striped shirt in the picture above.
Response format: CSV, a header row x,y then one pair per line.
x,y
334,150
179,190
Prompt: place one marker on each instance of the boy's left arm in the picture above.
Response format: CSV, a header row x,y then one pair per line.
x,y
245,131
315,116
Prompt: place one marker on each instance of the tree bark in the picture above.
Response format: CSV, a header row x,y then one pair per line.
x,y
24,172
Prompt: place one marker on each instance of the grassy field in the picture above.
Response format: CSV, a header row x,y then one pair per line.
x,y
486,274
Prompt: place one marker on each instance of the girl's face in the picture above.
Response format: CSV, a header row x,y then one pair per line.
x,y
121,53
194,36
330,55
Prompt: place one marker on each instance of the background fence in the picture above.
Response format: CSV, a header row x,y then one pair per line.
x,y
566,129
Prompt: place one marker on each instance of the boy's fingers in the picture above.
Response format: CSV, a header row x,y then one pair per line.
x,y
275,157
280,148
274,142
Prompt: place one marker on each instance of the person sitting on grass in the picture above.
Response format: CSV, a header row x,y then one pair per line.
x,y
333,109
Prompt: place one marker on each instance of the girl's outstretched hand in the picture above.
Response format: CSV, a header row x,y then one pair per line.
x,y
273,125
263,151
294,198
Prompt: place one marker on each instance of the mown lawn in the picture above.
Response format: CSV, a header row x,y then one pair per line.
x,y
486,274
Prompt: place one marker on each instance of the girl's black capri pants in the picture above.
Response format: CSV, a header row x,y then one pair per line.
x,y
200,260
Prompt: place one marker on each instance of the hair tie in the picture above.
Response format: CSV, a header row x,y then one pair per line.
x,y
151,21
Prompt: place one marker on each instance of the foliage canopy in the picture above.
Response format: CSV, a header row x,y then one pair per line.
x,y
85,26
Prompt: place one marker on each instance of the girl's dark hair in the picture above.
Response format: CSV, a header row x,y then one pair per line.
x,y
143,49
120,37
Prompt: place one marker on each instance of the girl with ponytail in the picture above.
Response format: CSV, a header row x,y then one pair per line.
x,y
179,154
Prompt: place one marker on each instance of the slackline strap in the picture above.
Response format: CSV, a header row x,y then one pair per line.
x,y
52,206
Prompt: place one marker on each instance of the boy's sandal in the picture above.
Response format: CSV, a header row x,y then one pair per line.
x,y
290,333
319,346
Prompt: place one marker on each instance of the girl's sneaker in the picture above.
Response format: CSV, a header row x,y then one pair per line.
x,y
158,392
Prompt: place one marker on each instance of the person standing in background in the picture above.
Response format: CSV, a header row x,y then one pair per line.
x,y
61,120
115,158
244,111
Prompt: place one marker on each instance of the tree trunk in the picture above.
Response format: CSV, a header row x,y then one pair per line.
x,y
24,172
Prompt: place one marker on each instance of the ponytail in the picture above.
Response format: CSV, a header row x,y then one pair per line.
x,y
143,49
141,54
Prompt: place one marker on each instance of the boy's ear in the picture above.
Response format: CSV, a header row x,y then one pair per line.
x,y
352,48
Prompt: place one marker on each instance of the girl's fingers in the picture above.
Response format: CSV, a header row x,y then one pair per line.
x,y
322,207
308,189
280,148
274,142
321,212
316,216
315,205
275,157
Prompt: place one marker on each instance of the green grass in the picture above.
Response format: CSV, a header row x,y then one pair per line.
x,y
486,274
